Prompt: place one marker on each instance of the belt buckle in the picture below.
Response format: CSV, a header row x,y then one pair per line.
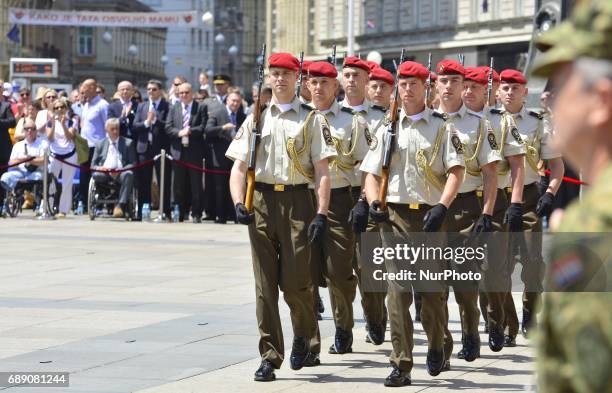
x,y
479,193
279,187
509,190
413,206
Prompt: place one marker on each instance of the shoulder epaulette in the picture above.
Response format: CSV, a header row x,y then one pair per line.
x,y
307,107
347,110
440,115
537,115
496,111
379,108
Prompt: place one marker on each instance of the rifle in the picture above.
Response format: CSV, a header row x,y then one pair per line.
x,y
391,133
332,58
489,83
462,59
428,91
299,83
255,135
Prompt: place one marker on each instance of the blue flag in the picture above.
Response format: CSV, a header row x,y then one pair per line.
x,y
13,34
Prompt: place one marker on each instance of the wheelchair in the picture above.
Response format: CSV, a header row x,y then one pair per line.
x,y
16,197
101,194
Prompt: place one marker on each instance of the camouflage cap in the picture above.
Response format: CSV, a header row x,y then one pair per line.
x,y
588,33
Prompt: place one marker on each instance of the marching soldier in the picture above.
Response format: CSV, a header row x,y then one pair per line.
x,y
355,76
420,192
380,87
338,244
305,96
531,130
465,215
292,152
574,341
506,216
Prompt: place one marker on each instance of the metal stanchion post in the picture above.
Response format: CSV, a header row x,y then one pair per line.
x,y
162,181
46,213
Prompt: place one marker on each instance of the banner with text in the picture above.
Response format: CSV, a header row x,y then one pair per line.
x,y
102,19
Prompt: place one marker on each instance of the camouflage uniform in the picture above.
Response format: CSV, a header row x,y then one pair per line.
x,y
575,337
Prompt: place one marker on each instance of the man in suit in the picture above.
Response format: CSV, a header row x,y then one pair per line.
x,y
223,122
125,108
7,120
185,128
149,133
115,152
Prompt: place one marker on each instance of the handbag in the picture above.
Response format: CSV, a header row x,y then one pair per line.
x,y
82,148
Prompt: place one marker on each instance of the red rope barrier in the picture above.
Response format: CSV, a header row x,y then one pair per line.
x,y
3,167
200,169
88,169
569,179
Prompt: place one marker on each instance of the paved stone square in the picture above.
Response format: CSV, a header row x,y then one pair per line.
x,y
169,308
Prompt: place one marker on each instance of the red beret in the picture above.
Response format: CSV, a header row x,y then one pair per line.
x,y
305,65
476,74
284,60
485,69
413,69
513,76
380,74
322,68
356,62
372,64
449,67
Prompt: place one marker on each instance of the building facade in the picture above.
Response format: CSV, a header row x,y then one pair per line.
x,y
476,29
188,50
109,55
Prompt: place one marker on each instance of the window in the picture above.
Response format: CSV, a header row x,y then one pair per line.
x,y
85,41
200,39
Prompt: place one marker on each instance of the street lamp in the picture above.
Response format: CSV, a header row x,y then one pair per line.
x,y
164,60
133,50
207,18
220,38
107,37
233,50
375,56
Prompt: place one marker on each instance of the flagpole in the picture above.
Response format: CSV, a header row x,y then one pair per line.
x,y
350,34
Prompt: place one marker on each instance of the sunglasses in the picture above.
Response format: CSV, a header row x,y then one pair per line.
x,y
25,94
51,97
29,129
57,108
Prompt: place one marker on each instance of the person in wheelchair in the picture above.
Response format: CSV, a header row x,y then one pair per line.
x,y
115,152
31,146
